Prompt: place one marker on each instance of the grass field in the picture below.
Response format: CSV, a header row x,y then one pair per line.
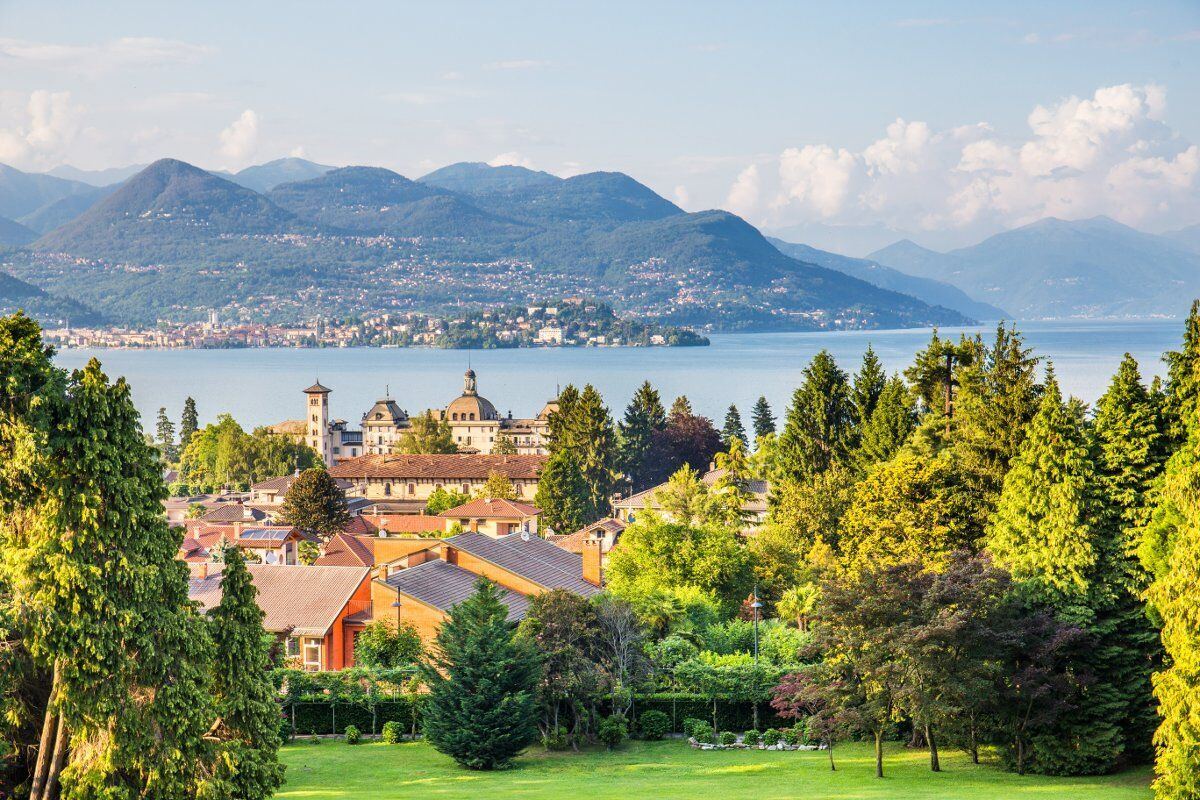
x,y
670,769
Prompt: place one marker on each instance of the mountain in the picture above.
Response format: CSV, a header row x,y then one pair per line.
x,y
96,177
1056,268
1189,237
164,212
50,310
22,193
14,234
927,290
60,212
604,199
263,178
474,177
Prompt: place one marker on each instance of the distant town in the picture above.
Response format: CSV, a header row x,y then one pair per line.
x,y
569,322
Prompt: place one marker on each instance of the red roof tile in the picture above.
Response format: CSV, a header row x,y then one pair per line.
x,y
491,508
441,466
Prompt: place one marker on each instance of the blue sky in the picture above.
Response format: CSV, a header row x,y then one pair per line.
x,y
838,123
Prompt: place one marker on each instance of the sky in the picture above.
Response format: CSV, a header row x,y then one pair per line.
x,y
844,125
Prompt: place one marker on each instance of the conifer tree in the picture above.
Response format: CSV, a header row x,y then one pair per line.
x,y
504,445
561,421
889,426
246,762
164,431
562,494
819,430
635,433
733,427
315,503
596,450
189,423
1183,380
483,684
869,383
763,419
426,435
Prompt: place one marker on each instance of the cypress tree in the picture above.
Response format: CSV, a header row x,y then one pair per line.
x,y
483,683
635,433
764,420
164,431
733,427
869,383
246,763
889,426
189,423
562,494
819,428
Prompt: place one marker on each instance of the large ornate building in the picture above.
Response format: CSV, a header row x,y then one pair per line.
x,y
474,423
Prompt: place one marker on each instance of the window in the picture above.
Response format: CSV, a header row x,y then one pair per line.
x,y
337,450
314,402
466,488
454,416
314,417
312,655
293,646
472,417
412,488
387,488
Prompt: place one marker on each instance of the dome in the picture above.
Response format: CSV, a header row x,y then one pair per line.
x,y
470,407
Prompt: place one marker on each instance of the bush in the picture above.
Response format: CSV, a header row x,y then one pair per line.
x,y
751,738
353,736
314,738
556,739
728,737
654,724
392,732
613,730
689,725
703,732
771,737
791,736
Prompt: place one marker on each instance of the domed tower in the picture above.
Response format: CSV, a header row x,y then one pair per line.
x,y
469,406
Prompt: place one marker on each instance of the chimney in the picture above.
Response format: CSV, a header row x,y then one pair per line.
x,y
592,571
202,570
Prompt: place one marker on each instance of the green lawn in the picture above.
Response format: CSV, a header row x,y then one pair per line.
x,y
671,769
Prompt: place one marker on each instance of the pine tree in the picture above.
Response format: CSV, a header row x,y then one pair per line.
x,y
869,383
635,433
681,407
889,426
315,503
819,428
561,433
165,437
246,762
733,427
562,494
189,423
1183,380
764,420
483,682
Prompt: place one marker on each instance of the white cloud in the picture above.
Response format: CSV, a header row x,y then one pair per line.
x,y
520,63
297,152
37,130
683,198
241,137
511,160
1111,153
127,52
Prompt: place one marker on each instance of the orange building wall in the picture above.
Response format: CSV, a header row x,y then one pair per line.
x,y
339,643
493,573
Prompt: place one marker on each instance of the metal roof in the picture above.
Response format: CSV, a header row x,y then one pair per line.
x,y
305,599
443,586
531,557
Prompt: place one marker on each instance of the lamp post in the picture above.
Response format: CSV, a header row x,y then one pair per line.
x,y
756,606
396,605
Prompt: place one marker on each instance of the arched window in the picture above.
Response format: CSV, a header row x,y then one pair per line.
x,y
387,488
454,416
472,417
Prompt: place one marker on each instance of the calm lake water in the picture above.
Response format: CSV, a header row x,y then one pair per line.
x,y
264,386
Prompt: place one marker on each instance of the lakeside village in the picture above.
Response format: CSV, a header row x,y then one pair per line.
x,y
569,322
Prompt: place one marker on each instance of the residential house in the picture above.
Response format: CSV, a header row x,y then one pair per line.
x,y
755,508
492,516
388,478
606,531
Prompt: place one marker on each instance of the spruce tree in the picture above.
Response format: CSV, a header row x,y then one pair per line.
x,y
246,759
1183,380
562,494
869,383
561,422
889,426
733,427
189,423
681,407
635,433
819,427
592,440
763,419
315,503
483,681
164,431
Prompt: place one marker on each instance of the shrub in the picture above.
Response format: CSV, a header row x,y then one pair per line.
x,y
703,732
654,724
791,736
613,730
556,739
751,738
392,732
690,724
314,738
728,737
353,736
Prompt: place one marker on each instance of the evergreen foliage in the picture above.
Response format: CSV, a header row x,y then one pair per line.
x,y
164,437
316,504
733,427
644,416
562,495
869,383
222,454
763,419
426,435
889,426
189,423
819,428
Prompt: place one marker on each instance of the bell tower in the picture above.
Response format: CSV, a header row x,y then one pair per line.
x,y
316,421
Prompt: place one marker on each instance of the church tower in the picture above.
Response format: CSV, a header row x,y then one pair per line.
x,y
316,421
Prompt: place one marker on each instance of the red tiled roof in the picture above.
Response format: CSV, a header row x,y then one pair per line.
x,y
490,508
442,466
407,523
344,550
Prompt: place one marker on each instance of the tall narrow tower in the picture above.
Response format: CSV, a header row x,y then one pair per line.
x,y
316,421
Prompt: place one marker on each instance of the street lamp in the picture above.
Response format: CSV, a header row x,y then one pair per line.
x,y
756,606
396,605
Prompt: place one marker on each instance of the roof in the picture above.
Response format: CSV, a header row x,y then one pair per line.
x,y
407,523
317,388
573,542
272,535
645,499
448,467
281,484
345,550
306,600
233,512
385,410
492,508
530,557
442,585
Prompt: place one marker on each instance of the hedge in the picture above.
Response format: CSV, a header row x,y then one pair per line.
x,y
732,715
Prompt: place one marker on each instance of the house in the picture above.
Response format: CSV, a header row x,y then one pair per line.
x,y
492,516
424,588
387,478
374,550
271,492
318,611
606,531
229,513
755,508
266,544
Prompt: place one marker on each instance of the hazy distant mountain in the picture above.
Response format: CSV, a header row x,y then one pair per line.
x,y
13,233
265,177
60,212
169,207
17,294
927,290
22,193
1189,237
1054,268
96,177
474,177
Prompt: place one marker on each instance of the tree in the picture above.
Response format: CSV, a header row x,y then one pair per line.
x,y
821,700
497,487
384,644
621,651
564,629
805,518
426,435
869,383
681,407
888,428
934,374
583,427
504,445
189,423
165,437
316,504
442,499
733,427
764,420
644,416
687,439
819,428
223,454
483,682
562,494
1183,380
246,763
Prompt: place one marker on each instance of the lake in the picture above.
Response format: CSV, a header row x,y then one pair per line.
x,y
264,386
